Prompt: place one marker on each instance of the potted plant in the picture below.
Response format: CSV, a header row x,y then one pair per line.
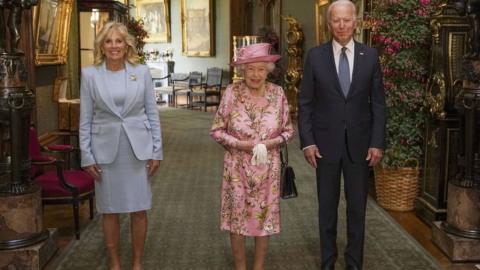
x,y
137,29
400,31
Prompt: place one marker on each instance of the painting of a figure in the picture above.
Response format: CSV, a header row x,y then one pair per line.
x,y
47,25
51,26
198,27
156,17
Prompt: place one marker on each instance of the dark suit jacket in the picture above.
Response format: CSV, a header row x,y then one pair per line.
x,y
325,113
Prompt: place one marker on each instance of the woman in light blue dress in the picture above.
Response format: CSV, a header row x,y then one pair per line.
x,y
120,136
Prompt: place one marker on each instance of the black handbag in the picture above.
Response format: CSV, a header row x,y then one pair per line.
x,y
288,189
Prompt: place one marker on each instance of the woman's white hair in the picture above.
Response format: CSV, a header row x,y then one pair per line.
x,y
341,3
270,67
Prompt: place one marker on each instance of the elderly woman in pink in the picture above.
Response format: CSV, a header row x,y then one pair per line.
x,y
252,123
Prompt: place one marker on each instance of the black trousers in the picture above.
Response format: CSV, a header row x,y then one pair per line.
x,y
355,177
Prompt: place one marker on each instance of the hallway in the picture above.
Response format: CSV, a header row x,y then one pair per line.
x,y
183,224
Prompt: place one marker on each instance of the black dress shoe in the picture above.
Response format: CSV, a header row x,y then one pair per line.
x,y
329,265
351,267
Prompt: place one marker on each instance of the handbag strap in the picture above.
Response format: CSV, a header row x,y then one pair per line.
x,y
284,158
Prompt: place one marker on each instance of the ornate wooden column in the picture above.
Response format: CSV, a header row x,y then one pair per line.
x,y
294,72
449,44
24,242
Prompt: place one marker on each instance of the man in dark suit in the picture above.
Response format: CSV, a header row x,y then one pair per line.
x,y
342,128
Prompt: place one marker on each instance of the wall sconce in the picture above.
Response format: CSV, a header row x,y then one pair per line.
x,y
94,20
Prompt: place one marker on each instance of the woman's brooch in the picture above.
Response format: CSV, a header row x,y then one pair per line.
x,y
133,77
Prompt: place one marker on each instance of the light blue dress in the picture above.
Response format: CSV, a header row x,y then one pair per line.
x,y
124,186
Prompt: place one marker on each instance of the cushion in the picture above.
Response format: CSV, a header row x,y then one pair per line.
x,y
164,90
51,186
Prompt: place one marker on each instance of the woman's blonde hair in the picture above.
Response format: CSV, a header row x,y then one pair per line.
x,y
131,55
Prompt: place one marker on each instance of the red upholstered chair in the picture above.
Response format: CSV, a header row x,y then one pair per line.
x,y
60,186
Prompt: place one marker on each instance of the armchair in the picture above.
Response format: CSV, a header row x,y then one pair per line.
x,y
211,88
176,82
158,79
194,80
60,186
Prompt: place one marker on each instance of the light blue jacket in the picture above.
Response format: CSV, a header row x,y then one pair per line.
x,y
101,121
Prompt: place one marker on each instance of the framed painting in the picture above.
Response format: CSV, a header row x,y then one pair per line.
x,y
51,24
321,23
359,34
198,27
156,18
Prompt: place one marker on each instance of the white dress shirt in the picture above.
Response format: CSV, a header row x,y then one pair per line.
x,y
337,50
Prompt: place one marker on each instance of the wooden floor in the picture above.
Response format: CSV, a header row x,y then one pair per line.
x,y
423,234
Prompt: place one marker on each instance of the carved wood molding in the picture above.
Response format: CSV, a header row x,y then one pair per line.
x,y
294,72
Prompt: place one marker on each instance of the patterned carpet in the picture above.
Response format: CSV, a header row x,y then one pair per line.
x,y
183,225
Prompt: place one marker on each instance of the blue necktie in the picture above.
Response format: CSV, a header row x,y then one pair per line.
x,y
344,72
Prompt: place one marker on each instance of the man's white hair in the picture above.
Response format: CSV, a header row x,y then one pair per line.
x,y
342,3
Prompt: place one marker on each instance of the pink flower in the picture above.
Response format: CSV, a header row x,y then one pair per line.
x,y
387,71
424,2
421,12
396,44
387,40
389,50
379,38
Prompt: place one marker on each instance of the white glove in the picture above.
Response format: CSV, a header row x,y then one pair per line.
x,y
259,154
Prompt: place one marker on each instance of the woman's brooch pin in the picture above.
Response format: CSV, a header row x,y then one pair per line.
x,y
133,77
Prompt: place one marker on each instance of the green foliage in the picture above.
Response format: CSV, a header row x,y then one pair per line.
x,y
137,29
401,33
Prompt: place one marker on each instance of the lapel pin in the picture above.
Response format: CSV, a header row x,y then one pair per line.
x,y
133,77
361,53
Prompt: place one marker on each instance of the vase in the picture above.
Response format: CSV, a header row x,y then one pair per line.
x,y
396,188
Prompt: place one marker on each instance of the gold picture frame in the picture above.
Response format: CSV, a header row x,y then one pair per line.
x,y
198,27
321,24
155,15
51,24
359,34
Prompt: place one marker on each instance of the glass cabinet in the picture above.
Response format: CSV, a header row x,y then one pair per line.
x,y
92,15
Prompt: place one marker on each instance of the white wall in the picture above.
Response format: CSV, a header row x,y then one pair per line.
x,y
222,33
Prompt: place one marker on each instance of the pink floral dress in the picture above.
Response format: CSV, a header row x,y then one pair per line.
x,y
250,203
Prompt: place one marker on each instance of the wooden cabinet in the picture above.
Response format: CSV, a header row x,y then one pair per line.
x,y
449,45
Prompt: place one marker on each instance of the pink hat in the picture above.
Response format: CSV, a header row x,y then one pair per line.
x,y
259,52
